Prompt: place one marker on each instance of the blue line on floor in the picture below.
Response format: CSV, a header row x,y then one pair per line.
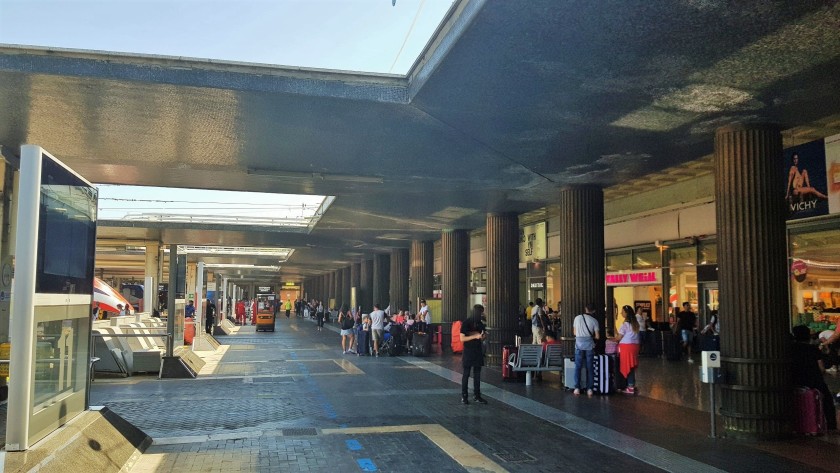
x,y
353,444
366,464
313,387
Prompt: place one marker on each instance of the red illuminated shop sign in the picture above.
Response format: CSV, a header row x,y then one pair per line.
x,y
647,277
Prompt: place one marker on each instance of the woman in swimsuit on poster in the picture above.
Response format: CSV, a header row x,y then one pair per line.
x,y
798,181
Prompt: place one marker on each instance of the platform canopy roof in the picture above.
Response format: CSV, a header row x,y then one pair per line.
x,y
509,102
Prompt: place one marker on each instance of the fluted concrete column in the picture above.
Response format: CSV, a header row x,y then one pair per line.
x,y
502,283
345,287
355,279
329,291
581,255
750,204
399,279
422,277
366,284
381,276
455,279
337,276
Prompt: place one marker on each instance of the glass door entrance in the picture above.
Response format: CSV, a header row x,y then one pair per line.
x,y
709,297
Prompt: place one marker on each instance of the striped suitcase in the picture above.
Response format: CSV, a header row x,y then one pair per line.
x,y
603,367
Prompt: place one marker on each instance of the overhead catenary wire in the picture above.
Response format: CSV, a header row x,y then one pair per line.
x,y
407,34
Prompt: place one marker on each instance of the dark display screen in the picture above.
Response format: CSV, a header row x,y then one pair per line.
x,y
66,232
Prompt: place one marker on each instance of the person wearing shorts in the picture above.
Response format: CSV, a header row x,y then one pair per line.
x,y
345,318
687,323
377,327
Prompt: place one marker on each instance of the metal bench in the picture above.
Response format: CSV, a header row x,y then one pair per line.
x,y
530,359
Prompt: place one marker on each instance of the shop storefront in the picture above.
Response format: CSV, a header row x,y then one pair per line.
x,y
690,275
812,178
552,286
636,288
532,253
536,281
815,277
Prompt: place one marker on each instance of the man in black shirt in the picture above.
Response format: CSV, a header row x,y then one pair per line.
x,y
808,368
686,323
472,334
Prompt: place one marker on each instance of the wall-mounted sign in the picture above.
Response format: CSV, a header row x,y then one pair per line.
x,y
642,277
537,285
806,180
532,242
265,289
289,284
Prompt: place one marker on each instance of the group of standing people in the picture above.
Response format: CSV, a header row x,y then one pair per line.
x,y
587,332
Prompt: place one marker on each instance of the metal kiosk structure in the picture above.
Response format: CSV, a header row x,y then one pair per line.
x,y
55,245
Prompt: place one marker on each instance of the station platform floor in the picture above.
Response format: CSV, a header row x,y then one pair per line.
x,y
292,401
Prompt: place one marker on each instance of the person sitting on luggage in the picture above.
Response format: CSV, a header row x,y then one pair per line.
x,y
808,369
420,325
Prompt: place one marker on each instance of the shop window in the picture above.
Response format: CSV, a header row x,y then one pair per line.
x,y
683,257
552,285
815,279
478,281
647,259
708,252
619,261
682,269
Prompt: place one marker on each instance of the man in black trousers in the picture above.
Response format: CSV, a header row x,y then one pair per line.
x,y
472,334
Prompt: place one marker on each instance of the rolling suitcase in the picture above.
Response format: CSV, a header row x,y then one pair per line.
x,y
603,366
619,381
809,418
398,342
362,342
569,375
421,344
672,343
507,371
653,344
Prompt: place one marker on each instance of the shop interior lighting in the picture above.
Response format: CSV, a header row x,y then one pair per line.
x,y
254,267
821,264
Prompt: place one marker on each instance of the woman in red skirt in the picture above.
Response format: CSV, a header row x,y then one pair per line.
x,y
628,348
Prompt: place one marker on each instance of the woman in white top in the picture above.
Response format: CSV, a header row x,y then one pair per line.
x,y
628,348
